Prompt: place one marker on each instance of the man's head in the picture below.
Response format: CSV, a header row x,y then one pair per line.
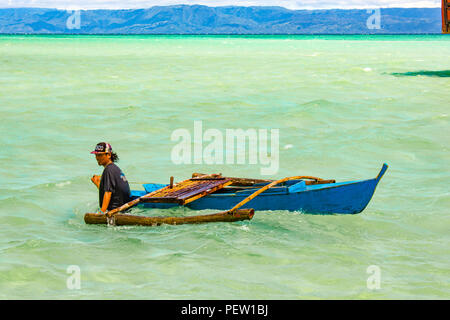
x,y
104,154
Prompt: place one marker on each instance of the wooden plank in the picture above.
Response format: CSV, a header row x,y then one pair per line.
x,y
170,192
236,181
202,176
187,190
204,193
311,182
204,187
161,200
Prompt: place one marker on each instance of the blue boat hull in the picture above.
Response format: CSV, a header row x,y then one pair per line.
x,y
342,198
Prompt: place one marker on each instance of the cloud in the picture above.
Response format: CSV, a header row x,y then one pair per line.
x,y
290,4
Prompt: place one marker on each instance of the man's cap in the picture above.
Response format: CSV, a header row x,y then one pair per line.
x,y
102,147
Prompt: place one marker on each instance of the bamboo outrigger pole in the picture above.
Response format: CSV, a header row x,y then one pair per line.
x,y
270,185
128,219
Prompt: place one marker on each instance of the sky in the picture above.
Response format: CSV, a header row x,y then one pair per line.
x,y
290,4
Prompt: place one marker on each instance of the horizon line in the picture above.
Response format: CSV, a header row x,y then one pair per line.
x,y
72,7
221,34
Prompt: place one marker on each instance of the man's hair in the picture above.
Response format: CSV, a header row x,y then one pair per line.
x,y
114,157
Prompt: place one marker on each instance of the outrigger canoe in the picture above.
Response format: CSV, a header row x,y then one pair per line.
x,y
303,195
240,197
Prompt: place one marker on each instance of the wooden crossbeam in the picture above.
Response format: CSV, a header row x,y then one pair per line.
x,y
248,182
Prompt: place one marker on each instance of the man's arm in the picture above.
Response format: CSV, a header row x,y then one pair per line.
x,y
96,180
106,200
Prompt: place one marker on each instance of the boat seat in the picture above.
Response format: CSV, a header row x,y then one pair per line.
x,y
150,187
298,187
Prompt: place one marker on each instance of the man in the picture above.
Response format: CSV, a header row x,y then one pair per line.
x,y
113,187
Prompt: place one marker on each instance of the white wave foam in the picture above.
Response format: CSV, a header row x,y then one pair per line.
x,y
62,184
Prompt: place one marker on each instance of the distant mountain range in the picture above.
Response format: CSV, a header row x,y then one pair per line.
x,y
197,19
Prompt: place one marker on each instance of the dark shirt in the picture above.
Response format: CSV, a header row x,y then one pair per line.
x,y
113,180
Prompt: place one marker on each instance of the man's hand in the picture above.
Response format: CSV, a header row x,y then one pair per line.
x,y
99,211
96,180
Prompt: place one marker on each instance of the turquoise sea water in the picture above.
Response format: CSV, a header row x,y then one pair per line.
x,y
343,106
